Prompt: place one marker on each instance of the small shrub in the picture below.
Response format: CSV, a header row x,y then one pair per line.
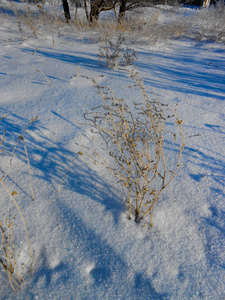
x,y
135,140
115,55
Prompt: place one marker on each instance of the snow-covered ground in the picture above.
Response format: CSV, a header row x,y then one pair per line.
x,y
84,246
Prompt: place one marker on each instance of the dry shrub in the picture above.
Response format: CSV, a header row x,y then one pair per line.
x,y
115,54
9,250
134,137
33,20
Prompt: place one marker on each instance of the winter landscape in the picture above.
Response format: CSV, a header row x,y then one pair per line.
x,y
64,220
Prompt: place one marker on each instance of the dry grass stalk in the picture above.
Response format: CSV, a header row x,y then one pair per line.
x,y
20,212
35,21
134,138
8,258
8,253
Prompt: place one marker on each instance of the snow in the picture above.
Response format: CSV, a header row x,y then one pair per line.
x,y
84,246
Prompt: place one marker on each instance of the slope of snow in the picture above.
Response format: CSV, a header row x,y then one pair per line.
x,y
84,245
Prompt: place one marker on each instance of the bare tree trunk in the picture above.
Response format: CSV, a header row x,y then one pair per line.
x,y
66,10
86,10
122,10
96,7
100,5
125,5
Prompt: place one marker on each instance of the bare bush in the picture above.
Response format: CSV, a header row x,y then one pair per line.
x,y
115,55
135,140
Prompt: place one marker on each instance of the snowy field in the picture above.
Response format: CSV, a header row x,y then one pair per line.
x,y
84,246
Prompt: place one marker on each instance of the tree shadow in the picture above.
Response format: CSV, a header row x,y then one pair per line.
x,y
210,163
109,268
81,59
145,290
212,166
50,162
215,237
193,74
45,271
76,58
215,128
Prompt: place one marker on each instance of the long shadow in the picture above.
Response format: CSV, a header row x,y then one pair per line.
x,y
215,128
110,269
83,180
44,270
75,58
145,290
215,237
187,74
211,166
211,163
50,161
83,59
9,11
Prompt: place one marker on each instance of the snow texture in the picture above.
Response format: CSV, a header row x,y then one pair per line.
x,y
83,243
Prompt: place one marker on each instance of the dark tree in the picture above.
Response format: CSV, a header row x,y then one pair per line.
x,y
66,10
97,6
95,9
122,10
126,5
100,5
